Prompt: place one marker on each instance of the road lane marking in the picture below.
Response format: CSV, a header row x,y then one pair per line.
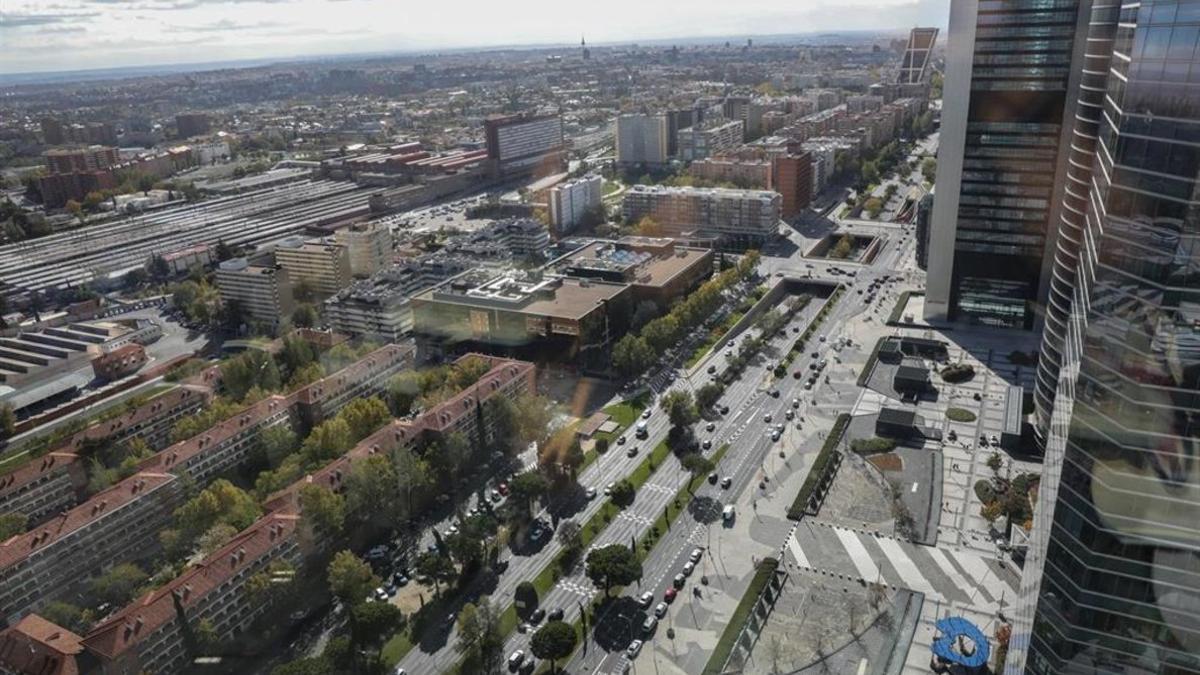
x,y
797,552
858,554
907,569
951,571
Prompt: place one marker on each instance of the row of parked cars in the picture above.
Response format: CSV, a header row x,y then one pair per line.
x,y
660,610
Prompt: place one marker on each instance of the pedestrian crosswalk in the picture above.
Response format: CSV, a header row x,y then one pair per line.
x,y
962,577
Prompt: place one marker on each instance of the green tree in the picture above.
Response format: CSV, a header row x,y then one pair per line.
x,y
324,508
350,579
525,598
632,356
698,465
296,353
623,493
371,490
372,622
434,567
214,538
364,416
305,316
873,206
328,440
660,334
220,502
570,535
929,169
118,585
843,247
252,368
480,639
556,640
708,395
613,565
870,172
528,487
680,408
12,524
304,376
68,616
275,443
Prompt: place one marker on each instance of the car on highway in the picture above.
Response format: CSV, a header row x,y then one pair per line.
x,y
712,369
706,444
660,610
556,615
646,414
621,440
724,410
712,478
634,649
789,414
608,489
646,599
537,616
774,393
767,418
726,482
696,554
649,625
795,403
591,493
710,426
632,451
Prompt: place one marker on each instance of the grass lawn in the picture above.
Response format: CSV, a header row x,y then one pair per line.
x,y
608,187
397,647
960,415
624,414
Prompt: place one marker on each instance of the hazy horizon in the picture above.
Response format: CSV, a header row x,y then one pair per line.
x,y
79,35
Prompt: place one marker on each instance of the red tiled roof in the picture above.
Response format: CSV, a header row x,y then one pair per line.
x,y
146,614
18,547
329,387
35,469
35,646
173,455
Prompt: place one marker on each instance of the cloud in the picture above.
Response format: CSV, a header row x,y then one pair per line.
x,y
222,26
24,20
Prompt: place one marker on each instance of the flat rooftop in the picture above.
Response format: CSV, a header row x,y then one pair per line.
x,y
551,295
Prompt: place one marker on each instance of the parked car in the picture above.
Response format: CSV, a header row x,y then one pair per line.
x,y
679,581
710,426
669,594
660,610
537,616
646,599
515,659
712,478
634,649
696,554
649,625
688,568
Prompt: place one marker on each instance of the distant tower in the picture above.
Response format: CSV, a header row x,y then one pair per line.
x,y
583,49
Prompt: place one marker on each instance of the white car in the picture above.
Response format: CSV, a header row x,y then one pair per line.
x,y
688,568
634,649
660,610
645,599
515,659
696,554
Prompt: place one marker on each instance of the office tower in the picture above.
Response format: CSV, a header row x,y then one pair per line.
x,y
642,139
1111,581
924,213
1006,83
1070,206
192,124
529,144
571,201
676,120
914,65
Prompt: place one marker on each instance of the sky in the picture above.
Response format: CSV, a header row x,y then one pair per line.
x,y
55,35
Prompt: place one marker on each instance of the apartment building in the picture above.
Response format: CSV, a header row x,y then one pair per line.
x,y
323,267
379,308
529,144
55,559
363,378
36,646
43,487
754,173
733,217
368,245
264,293
792,178
81,160
643,139
148,636
706,140
571,201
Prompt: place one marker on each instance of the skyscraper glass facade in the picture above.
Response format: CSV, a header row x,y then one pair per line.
x,y
1112,580
1019,77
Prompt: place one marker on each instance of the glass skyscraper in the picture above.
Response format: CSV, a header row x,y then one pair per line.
x,y
1112,577
1008,71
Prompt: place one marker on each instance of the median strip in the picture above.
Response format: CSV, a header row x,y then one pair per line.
x,y
733,628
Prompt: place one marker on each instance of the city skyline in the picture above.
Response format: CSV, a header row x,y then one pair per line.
x,y
98,34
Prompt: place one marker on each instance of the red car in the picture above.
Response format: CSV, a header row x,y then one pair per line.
x,y
669,595
502,489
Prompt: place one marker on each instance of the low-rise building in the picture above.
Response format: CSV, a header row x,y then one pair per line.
x,y
120,362
738,218
525,313
263,293
656,268
34,646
